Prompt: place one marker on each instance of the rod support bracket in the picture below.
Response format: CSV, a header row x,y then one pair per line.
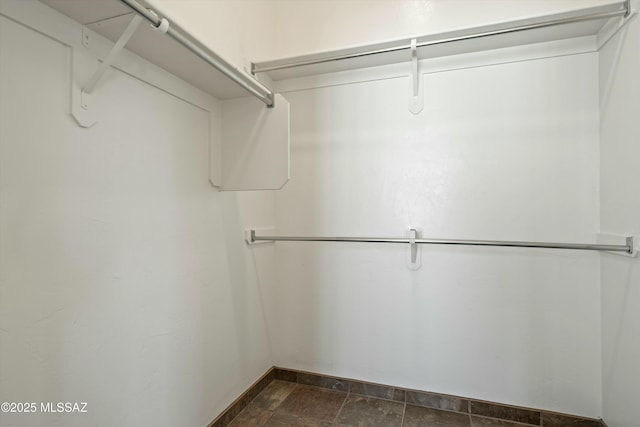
x,y
413,234
250,237
413,260
631,245
416,102
628,7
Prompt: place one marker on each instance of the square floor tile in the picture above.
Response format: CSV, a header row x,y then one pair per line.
x,y
361,411
273,395
490,422
290,420
417,416
312,403
251,416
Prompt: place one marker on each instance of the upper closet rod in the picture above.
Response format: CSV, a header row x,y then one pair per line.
x,y
250,84
620,9
628,248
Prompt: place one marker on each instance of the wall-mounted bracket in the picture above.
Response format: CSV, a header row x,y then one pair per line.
x,y
413,234
628,7
413,259
633,248
81,102
632,242
415,97
250,236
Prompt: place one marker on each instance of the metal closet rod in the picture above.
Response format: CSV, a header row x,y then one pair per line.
x,y
250,84
627,248
292,62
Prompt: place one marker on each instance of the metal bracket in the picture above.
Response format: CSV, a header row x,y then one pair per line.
x,y
413,261
627,5
82,96
250,236
413,233
415,99
631,244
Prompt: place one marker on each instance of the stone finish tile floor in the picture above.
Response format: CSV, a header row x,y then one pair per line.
x,y
286,404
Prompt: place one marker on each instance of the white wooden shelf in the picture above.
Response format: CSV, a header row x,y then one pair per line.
x,y
598,21
110,18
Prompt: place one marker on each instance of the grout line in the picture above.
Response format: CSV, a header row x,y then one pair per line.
x,y
384,398
270,416
335,420
444,410
517,423
404,411
278,407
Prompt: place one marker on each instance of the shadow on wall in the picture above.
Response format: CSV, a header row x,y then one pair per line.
x,y
249,321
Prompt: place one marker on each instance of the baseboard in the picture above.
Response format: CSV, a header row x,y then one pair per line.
x,y
243,400
498,411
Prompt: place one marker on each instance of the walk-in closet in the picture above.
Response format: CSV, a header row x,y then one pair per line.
x,y
275,213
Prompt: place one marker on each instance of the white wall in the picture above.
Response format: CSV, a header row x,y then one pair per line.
x,y
303,27
620,213
124,280
506,151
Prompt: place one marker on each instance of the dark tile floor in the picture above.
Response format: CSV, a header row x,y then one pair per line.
x,y
286,404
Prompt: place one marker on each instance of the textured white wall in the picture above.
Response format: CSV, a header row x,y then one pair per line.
x,y
124,279
620,213
505,151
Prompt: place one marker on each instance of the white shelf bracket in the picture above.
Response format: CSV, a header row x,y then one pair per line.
x,y
415,98
81,102
413,260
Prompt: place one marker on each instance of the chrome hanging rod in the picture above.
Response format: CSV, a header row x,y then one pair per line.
x,y
604,12
250,84
626,248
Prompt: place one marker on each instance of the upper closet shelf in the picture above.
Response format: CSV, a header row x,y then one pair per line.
x,y
598,20
248,142
177,52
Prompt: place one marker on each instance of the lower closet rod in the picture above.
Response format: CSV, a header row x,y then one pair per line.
x,y
627,248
